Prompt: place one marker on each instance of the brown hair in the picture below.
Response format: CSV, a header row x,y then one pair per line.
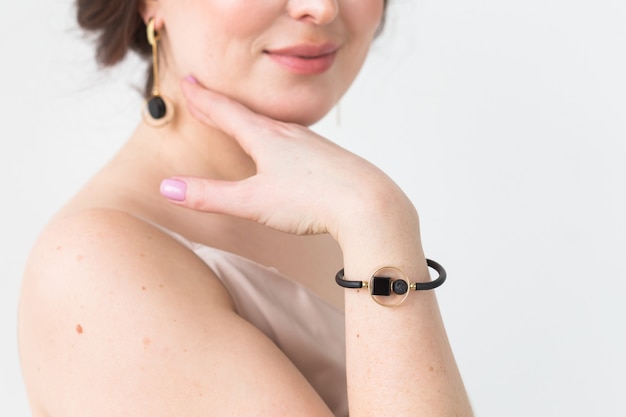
x,y
118,25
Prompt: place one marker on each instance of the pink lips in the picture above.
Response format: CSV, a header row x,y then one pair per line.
x,y
305,59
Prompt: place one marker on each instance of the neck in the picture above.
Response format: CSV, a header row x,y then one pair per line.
x,y
187,147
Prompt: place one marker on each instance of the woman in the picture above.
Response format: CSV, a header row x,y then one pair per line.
x,y
132,304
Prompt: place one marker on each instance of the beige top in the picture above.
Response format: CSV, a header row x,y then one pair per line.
x,y
307,329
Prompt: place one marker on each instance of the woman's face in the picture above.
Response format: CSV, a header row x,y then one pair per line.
x,y
289,59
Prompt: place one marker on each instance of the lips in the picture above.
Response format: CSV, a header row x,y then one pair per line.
x,y
305,59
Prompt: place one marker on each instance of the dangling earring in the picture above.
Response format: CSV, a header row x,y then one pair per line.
x,y
157,110
338,114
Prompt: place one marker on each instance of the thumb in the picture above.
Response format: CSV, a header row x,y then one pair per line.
x,y
234,198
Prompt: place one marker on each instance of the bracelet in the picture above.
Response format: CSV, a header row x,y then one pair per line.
x,y
388,281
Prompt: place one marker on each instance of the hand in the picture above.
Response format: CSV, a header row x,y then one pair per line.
x,y
304,183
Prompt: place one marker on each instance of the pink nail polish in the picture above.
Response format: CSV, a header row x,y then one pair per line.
x,y
174,189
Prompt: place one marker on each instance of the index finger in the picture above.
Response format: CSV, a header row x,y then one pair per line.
x,y
226,114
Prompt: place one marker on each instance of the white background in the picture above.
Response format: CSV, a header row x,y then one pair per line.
x,y
504,121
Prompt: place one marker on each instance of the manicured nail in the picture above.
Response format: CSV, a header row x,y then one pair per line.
x,y
191,79
174,189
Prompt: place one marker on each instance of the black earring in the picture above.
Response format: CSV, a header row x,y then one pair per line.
x,y
157,110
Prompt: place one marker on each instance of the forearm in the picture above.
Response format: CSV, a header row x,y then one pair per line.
x,y
399,360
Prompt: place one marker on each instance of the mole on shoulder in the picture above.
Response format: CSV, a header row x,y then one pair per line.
x,y
79,329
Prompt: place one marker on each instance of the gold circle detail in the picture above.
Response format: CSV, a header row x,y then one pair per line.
x,y
169,114
396,275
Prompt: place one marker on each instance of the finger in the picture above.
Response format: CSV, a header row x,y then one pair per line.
x,y
226,114
234,198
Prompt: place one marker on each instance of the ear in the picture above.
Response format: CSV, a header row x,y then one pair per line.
x,y
151,9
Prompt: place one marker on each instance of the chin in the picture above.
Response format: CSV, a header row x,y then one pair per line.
x,y
301,112
300,118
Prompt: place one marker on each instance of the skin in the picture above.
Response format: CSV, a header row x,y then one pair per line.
x,y
245,73
117,318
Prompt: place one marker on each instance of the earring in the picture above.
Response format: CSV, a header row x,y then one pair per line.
x,y
157,110
338,114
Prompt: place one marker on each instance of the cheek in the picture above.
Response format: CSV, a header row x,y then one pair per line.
x,y
363,16
231,18
362,19
215,36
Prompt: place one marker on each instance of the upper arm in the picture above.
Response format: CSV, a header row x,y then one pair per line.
x,y
118,319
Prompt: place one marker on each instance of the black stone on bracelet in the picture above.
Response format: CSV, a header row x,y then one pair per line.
x,y
384,286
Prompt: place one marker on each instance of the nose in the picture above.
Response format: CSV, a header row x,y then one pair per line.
x,y
319,12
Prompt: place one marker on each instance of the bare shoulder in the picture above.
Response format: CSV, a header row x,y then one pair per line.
x,y
118,318
102,249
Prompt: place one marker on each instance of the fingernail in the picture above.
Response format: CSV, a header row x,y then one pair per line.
x,y
174,189
191,79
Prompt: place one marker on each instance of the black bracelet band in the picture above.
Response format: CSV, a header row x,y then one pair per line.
x,y
382,285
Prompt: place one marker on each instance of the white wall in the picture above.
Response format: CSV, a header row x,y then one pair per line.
x,y
504,121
